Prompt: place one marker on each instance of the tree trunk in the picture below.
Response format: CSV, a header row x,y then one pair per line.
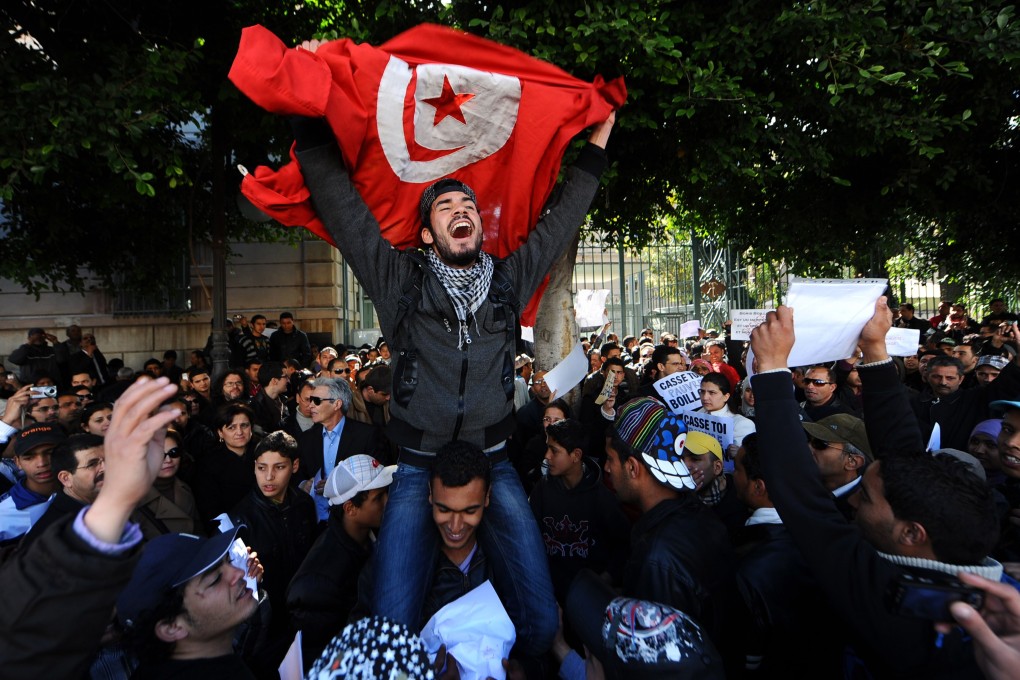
x,y
555,326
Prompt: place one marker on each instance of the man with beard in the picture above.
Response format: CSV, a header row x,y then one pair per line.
x,y
449,314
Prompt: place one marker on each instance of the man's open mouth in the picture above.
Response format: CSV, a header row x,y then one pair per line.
x,y
461,229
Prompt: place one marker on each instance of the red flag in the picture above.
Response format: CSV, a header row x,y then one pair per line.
x,y
432,102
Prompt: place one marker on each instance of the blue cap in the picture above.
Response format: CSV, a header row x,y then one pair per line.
x,y
169,561
1002,405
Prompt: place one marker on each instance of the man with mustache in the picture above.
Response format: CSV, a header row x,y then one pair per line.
x,y
79,466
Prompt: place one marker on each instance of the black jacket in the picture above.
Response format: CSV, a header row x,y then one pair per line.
x,y
582,528
853,576
293,345
787,623
356,438
58,597
681,556
221,479
282,534
62,506
325,588
958,413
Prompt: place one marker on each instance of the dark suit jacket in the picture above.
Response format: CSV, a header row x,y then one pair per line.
x,y
356,438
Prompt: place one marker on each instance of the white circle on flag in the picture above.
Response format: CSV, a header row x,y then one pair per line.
x,y
490,116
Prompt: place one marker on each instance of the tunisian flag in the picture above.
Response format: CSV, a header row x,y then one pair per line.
x,y
432,102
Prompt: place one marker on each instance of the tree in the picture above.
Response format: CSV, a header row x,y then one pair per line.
x,y
814,132
122,136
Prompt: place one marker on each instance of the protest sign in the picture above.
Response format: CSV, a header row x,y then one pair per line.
x,y
680,391
689,329
745,321
590,307
720,427
902,342
562,378
826,331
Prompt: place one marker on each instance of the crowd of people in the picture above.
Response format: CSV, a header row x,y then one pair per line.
x,y
775,568
861,521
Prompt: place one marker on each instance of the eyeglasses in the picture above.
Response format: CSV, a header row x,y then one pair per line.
x,y
47,409
318,400
93,464
818,381
341,371
175,452
233,384
83,397
538,382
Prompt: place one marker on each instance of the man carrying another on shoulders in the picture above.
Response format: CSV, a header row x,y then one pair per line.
x,y
449,314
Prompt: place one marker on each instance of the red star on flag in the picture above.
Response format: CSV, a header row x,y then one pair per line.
x,y
448,103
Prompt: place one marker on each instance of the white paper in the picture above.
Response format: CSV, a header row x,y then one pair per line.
x,y
828,315
476,630
720,427
680,391
292,664
689,329
528,333
935,440
568,372
744,321
239,558
590,307
902,342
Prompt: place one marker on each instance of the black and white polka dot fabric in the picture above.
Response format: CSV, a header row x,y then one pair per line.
x,y
373,649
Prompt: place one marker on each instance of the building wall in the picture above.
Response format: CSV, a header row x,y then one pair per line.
x,y
262,278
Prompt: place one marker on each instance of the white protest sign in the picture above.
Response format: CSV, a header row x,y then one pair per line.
x,y
902,342
680,391
568,372
590,307
689,329
720,427
528,333
745,321
828,315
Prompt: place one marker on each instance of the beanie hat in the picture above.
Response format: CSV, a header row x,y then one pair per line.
x,y
437,189
657,437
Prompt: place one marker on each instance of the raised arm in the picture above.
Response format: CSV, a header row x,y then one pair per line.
x,y
890,421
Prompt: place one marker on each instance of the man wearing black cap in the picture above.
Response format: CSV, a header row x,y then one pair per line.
x,y
182,607
449,314
27,500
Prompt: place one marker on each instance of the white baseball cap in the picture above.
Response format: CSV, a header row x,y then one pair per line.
x,y
354,475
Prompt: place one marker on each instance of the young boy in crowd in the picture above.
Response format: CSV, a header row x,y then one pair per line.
x,y
281,520
581,521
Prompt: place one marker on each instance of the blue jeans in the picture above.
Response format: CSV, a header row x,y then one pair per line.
x,y
408,548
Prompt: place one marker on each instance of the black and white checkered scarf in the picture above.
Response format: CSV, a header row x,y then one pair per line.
x,y
467,289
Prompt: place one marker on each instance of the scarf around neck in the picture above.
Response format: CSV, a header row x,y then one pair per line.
x,y
467,289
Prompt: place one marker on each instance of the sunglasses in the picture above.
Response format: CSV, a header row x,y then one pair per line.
x,y
318,400
175,452
820,445
818,381
341,371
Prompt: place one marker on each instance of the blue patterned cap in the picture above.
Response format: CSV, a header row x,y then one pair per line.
x,y
657,436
